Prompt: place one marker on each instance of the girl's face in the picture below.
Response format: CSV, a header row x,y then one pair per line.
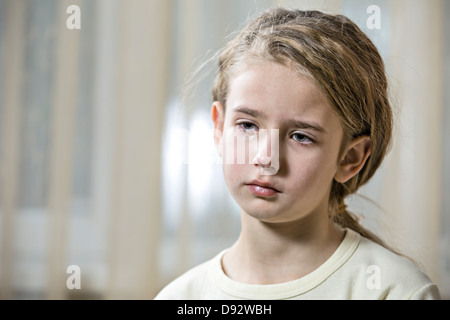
x,y
271,103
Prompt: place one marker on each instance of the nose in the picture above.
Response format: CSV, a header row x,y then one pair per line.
x,y
263,161
267,156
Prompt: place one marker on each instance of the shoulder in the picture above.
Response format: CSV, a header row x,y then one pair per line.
x,y
193,284
391,275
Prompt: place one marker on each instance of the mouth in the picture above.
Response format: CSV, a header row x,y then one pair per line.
x,y
262,188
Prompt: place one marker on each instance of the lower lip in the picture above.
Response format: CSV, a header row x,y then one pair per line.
x,y
261,191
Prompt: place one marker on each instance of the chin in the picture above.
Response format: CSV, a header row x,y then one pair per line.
x,y
264,212
268,211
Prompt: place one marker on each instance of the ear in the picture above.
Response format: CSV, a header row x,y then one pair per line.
x,y
353,159
218,117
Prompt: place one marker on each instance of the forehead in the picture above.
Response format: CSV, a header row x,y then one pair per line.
x,y
279,92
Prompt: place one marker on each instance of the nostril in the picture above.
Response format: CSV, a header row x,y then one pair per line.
x,y
264,161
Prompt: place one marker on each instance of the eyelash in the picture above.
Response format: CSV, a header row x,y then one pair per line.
x,y
308,139
303,137
246,123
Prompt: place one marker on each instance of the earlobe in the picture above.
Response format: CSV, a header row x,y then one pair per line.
x,y
217,116
353,159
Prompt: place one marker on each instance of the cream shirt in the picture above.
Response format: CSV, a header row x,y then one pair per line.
x,y
358,269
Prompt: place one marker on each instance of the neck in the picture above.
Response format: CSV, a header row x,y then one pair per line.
x,y
269,253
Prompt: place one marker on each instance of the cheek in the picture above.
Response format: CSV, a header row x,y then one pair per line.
x,y
313,174
234,176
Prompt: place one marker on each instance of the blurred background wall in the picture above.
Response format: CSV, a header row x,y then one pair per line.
x,y
107,159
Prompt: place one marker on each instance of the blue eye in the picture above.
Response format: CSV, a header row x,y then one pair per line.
x,y
299,137
248,126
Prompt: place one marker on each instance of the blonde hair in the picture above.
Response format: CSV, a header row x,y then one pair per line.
x,y
342,60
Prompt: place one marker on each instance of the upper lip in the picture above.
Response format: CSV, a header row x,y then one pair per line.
x,y
264,184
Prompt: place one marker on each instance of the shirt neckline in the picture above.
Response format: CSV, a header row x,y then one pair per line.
x,y
289,289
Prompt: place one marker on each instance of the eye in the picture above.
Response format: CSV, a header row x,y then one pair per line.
x,y
300,137
248,126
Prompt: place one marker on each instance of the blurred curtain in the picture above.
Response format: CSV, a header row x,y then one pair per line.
x,y
141,97
81,125
444,255
412,187
11,46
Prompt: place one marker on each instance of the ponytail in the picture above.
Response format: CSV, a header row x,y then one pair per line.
x,y
347,220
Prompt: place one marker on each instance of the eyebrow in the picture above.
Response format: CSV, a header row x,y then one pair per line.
x,y
250,112
291,122
306,125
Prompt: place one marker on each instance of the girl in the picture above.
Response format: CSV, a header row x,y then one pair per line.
x,y
315,85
